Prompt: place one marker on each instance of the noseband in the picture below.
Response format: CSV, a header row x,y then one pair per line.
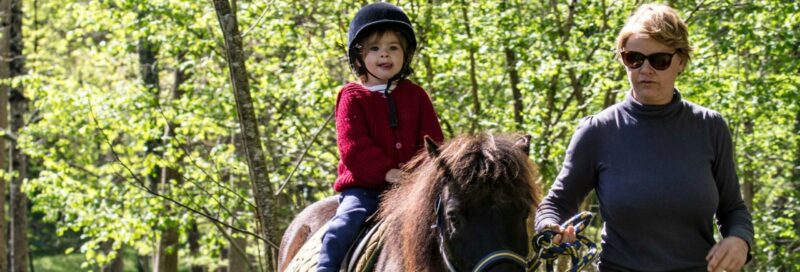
x,y
541,244
486,262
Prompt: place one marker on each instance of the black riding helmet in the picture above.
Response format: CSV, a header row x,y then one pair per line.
x,y
380,15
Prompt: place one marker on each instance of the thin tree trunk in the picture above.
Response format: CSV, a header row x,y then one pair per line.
x,y
795,175
796,169
236,261
223,255
167,253
19,163
476,104
148,70
259,177
194,245
115,265
513,75
166,257
5,33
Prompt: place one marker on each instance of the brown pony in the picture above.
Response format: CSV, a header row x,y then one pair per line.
x,y
459,207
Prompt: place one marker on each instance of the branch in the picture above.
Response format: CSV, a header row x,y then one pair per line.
x,y
305,152
694,11
8,135
235,245
257,21
202,169
139,183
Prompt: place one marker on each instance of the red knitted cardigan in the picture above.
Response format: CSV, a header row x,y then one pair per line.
x,y
368,147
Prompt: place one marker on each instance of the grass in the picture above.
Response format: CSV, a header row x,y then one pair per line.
x,y
58,263
72,263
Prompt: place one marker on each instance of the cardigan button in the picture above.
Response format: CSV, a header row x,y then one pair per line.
x,y
398,145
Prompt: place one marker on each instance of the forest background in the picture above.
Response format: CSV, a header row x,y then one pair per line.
x,y
125,148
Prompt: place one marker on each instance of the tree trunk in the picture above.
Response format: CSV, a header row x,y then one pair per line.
x,y
166,257
259,177
143,263
796,169
223,255
5,41
194,246
476,104
116,265
19,162
167,250
513,75
796,172
148,70
237,261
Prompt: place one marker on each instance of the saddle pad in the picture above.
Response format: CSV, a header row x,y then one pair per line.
x,y
307,257
373,244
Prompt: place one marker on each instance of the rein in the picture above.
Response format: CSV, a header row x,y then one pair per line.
x,y
542,244
545,250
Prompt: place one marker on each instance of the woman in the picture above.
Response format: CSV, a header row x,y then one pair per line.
x,y
662,167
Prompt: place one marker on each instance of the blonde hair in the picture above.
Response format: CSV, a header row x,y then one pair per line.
x,y
662,24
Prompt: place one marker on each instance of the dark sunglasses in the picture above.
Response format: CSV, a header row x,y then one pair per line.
x,y
659,61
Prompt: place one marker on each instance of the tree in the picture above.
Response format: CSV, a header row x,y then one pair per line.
x,y
5,31
19,161
259,178
536,66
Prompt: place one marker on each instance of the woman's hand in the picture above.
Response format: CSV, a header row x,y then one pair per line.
x,y
730,254
393,176
563,234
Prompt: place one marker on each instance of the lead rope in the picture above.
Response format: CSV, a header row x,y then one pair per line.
x,y
547,252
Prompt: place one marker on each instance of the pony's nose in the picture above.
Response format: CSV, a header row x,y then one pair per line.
x,y
506,266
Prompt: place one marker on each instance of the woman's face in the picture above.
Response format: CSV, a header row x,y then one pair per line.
x,y
652,86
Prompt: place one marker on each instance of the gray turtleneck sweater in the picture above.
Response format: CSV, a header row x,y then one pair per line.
x,y
661,175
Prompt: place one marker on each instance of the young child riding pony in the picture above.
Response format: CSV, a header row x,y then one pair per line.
x,y
381,122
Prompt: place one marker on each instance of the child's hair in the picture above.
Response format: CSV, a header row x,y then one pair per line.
x,y
358,45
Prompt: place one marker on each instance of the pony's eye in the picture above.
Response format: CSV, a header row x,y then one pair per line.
x,y
454,218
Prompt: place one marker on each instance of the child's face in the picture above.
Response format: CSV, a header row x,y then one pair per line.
x,y
383,57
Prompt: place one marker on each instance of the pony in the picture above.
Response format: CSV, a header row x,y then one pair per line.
x,y
461,206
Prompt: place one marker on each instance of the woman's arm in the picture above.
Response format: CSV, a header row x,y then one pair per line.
x,y
735,223
576,179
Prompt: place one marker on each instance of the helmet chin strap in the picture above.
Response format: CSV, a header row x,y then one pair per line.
x,y
389,100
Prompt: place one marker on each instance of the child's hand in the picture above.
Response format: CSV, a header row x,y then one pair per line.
x,y
393,176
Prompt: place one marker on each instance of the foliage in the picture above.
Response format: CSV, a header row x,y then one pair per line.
x,y
84,81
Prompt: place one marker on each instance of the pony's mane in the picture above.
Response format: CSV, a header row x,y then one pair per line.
x,y
483,167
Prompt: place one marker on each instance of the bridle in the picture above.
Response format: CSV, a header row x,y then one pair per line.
x,y
485,262
541,243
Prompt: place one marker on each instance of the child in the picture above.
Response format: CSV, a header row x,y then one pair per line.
x,y
380,122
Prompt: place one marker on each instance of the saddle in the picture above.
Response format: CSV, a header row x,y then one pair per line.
x,y
361,256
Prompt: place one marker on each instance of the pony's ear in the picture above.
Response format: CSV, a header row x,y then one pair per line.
x,y
430,145
524,144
